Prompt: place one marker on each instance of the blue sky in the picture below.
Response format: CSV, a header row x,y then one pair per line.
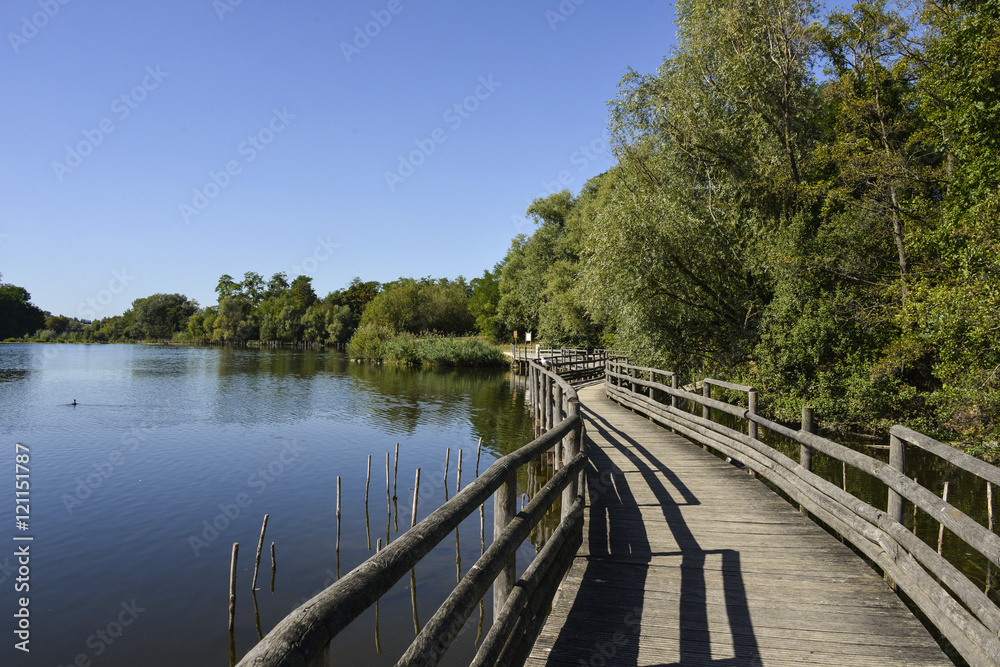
x,y
151,147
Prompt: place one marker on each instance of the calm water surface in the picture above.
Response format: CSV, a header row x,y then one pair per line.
x,y
173,454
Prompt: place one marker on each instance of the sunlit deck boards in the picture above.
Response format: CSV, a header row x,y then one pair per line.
x,y
688,561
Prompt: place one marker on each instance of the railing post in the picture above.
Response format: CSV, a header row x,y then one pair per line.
x,y
805,451
652,391
573,447
676,384
504,511
546,401
706,391
752,425
557,403
897,459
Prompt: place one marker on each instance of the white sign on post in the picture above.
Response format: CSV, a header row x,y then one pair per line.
x,y
527,336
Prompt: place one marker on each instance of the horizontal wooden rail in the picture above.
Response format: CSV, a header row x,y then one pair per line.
x,y
963,613
302,636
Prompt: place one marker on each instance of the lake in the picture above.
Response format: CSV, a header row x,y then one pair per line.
x,y
172,454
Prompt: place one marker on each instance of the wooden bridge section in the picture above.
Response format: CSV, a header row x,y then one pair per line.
x,y
688,560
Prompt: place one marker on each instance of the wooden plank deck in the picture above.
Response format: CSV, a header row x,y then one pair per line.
x,y
687,560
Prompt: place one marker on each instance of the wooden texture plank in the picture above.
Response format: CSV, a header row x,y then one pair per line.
x,y
687,560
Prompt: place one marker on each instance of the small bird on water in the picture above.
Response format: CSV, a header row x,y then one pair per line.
x,y
74,402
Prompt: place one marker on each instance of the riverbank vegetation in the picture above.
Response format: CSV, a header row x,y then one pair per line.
x,y
806,204
809,204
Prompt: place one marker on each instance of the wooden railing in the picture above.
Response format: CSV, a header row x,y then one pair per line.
x,y
962,612
519,605
572,364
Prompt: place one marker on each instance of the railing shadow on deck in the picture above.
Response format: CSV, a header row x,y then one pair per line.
x,y
964,614
520,605
617,534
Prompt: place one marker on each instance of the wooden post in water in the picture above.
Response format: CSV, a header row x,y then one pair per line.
x,y
338,514
504,510
944,497
232,585
416,494
479,452
274,567
458,477
388,499
447,463
368,479
805,451
260,548
395,472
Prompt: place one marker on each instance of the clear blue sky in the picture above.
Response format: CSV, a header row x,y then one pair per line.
x,y
115,113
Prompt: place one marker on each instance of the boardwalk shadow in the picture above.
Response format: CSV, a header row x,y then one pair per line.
x,y
612,608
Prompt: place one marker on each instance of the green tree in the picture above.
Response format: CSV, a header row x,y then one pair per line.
x,y
18,316
159,316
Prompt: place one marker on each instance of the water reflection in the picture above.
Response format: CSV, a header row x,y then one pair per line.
x,y
196,428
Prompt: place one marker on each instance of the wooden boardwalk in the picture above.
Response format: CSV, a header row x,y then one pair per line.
x,y
687,560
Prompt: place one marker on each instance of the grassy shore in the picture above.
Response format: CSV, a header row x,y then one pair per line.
x,y
381,344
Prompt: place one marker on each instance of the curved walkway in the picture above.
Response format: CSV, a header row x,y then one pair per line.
x,y
687,560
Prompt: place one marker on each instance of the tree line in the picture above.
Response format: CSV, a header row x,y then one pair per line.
x,y
804,203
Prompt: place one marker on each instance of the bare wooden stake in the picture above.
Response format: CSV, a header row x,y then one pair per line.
x,y
338,514
388,500
479,452
395,472
232,585
458,480
447,458
482,529
944,497
274,567
260,548
368,478
416,494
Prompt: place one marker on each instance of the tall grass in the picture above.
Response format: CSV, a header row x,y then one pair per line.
x,y
379,343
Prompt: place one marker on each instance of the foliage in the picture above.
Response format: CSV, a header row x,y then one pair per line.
x,y
378,343
424,305
159,316
18,316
